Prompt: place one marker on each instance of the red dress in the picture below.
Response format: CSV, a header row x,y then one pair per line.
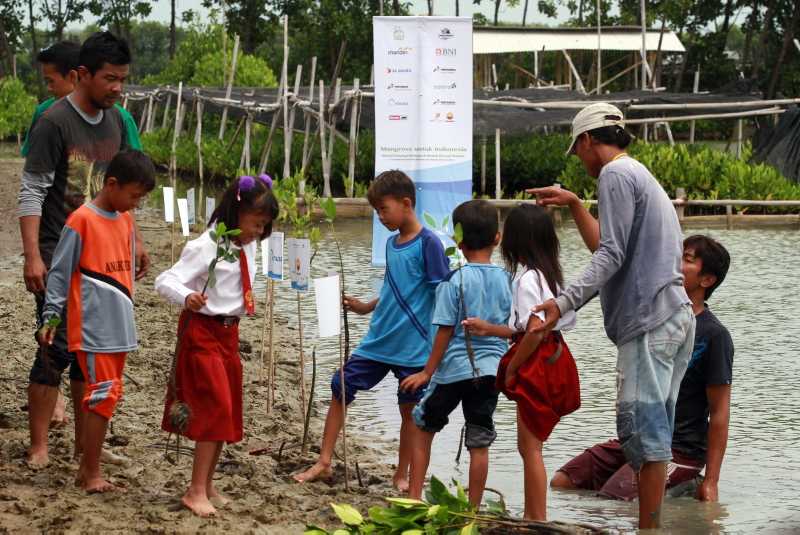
x,y
546,386
208,378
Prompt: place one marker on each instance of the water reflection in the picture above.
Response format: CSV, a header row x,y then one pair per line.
x,y
759,487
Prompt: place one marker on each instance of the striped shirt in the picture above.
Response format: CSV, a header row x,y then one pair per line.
x,y
92,275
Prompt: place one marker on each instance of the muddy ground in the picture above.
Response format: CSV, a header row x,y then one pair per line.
x,y
266,499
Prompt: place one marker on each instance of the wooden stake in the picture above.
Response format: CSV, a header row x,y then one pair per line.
x,y
351,161
264,341
680,194
230,84
344,408
483,165
302,361
497,189
244,161
273,125
272,363
578,82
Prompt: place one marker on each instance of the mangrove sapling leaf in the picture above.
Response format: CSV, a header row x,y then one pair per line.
x,y
429,220
469,529
314,530
348,514
406,503
53,322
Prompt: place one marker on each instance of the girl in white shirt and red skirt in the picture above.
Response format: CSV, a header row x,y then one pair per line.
x,y
204,397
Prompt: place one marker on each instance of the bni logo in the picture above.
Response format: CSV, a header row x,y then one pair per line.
x,y
445,34
446,52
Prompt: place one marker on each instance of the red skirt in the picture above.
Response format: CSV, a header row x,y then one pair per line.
x,y
208,378
545,387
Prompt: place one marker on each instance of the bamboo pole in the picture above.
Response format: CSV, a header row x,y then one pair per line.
x,y
198,140
343,399
287,135
166,111
322,143
143,118
497,188
271,363
680,194
272,127
173,164
615,77
483,165
599,50
713,105
695,89
733,115
230,83
351,163
306,150
643,15
739,128
298,77
244,160
574,71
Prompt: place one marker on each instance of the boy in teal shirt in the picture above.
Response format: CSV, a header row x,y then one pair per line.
x,y
456,376
59,63
400,333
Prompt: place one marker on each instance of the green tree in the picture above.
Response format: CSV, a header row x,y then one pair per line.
x,y
11,29
16,107
119,15
60,13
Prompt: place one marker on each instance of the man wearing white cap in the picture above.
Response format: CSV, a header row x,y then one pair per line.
x,y
636,268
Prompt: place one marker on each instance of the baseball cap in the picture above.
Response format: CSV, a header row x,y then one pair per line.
x,y
593,116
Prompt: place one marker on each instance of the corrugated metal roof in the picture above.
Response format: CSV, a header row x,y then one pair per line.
x,y
499,39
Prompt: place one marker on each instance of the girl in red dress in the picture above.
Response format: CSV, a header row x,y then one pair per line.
x,y
204,398
538,371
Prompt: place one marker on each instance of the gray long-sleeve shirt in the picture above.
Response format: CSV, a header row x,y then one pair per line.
x,y
637,267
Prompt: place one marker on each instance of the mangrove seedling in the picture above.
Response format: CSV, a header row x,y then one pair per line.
x,y
453,253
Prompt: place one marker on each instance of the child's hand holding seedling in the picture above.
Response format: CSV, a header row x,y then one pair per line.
x,y
195,301
47,333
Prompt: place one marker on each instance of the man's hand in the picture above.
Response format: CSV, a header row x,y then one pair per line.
x,y
551,315
707,491
142,260
195,301
477,326
552,195
35,272
356,305
414,382
46,335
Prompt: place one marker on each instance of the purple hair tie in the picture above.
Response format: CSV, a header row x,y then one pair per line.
x,y
266,179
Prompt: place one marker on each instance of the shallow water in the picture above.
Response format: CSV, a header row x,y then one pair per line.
x,y
758,302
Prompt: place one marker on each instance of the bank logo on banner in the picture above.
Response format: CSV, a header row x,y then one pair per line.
x,y
423,87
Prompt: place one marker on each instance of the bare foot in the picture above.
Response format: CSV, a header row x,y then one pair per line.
x,y
400,484
198,505
216,497
60,418
109,457
37,459
318,471
95,485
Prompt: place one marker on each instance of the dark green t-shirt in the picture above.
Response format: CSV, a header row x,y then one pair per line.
x,y
131,128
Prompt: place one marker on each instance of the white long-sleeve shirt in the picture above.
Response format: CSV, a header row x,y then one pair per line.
x,y
190,272
530,289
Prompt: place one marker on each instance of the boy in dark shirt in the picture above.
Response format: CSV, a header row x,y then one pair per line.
x,y
702,412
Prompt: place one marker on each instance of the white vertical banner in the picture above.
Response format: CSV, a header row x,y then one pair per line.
x,y
275,270
191,199
169,204
423,114
299,253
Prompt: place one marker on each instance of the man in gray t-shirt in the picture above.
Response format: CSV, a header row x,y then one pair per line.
x,y
636,268
70,147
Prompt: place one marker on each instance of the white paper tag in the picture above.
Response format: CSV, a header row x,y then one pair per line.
x,y
190,198
275,270
211,203
183,213
328,299
299,260
169,204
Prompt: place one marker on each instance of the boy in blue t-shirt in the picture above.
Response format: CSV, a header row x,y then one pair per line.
x,y
456,376
399,336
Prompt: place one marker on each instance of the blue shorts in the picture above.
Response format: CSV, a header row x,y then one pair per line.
x,y
650,369
362,374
